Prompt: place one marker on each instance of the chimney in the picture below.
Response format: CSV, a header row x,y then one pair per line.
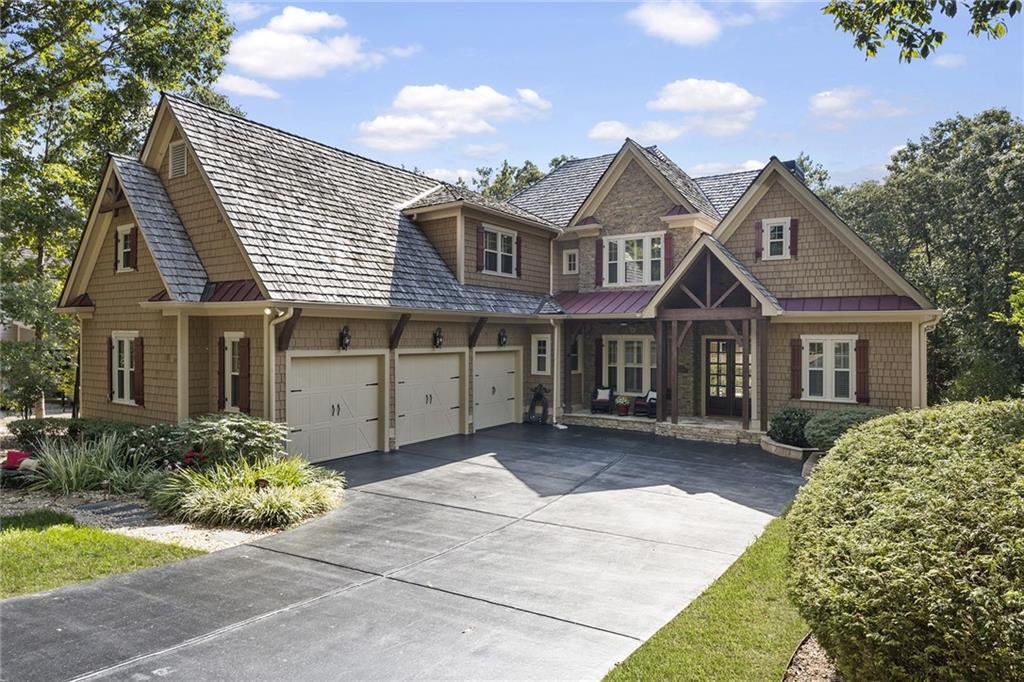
x,y
794,169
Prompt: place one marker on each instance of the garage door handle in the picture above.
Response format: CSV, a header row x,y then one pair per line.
x,y
295,430
494,389
373,419
455,407
376,383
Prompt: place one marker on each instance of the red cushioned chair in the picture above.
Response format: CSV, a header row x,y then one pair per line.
x,y
602,400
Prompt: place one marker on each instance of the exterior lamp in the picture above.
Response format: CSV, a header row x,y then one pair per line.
x,y
502,338
438,338
344,338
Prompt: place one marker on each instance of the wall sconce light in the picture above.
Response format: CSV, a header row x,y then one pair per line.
x,y
502,338
345,338
438,338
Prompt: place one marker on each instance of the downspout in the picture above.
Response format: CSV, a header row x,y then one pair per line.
x,y
274,317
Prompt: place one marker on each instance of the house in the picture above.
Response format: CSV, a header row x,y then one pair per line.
x,y
234,266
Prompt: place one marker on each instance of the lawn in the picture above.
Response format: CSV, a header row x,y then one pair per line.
x,y
741,628
41,550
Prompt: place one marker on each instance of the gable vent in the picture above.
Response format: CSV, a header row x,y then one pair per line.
x,y
178,160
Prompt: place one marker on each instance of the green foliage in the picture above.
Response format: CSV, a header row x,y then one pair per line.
x,y
228,493
31,432
510,178
67,466
825,428
907,557
787,426
985,377
909,24
28,372
231,436
1015,318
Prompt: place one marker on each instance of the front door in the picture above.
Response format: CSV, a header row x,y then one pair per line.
x,y
724,379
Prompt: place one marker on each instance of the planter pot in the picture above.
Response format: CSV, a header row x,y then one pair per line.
x,y
622,410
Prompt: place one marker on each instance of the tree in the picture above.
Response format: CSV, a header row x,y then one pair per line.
x,y
1016,303
510,179
909,24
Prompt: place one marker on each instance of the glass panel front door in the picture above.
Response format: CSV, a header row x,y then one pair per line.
x,y
724,378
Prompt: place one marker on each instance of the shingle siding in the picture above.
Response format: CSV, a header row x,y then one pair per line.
x,y
443,234
536,264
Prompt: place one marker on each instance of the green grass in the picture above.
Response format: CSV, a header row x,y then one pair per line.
x,y
41,550
743,627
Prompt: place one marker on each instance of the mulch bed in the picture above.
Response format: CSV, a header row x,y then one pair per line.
x,y
811,664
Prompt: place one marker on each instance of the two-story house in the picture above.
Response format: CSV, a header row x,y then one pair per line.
x,y
234,266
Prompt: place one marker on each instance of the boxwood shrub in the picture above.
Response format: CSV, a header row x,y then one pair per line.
x,y
787,426
824,428
907,549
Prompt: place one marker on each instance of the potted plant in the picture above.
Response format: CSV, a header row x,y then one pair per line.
x,y
622,405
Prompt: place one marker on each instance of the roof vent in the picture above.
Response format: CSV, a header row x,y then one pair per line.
x,y
178,163
795,169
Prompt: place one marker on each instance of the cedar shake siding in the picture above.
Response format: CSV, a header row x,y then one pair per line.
x,y
252,327
201,373
117,296
566,282
443,234
823,266
535,253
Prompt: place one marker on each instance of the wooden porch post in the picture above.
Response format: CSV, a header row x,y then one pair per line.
x,y
569,331
673,367
746,374
659,348
762,371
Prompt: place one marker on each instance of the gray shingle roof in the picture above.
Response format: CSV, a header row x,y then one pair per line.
x,y
558,195
680,180
447,193
726,189
166,237
322,225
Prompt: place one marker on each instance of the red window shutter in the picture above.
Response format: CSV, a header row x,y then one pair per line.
x,y
666,255
793,234
519,256
599,263
117,251
139,380
759,239
480,249
110,368
796,368
863,368
243,375
598,361
135,247
220,373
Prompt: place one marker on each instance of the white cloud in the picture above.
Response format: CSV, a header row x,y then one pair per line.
x,y
836,108
646,133
685,23
298,20
402,52
949,60
480,151
423,115
451,175
718,167
240,85
698,95
247,11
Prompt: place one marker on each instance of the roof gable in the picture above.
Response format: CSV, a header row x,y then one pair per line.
x,y
557,196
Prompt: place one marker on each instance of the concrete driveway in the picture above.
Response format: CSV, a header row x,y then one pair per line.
x,y
521,552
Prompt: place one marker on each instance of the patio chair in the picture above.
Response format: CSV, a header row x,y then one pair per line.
x,y
602,400
645,405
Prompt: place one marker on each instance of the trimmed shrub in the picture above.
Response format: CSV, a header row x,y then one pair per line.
x,y
825,428
787,426
230,436
67,466
31,432
267,492
907,549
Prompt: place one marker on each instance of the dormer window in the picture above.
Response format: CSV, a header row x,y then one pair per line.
x,y
125,248
177,159
499,252
633,260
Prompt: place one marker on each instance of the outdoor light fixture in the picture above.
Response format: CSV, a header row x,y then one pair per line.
x,y
344,338
438,338
502,338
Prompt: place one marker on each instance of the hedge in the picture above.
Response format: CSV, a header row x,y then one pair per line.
x,y
907,549
824,428
787,426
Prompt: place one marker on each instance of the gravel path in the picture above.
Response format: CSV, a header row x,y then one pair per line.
x,y
811,664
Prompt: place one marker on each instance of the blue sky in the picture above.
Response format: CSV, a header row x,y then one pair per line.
x,y
718,86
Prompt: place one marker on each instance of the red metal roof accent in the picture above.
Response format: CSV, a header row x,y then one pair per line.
x,y
604,302
825,304
232,291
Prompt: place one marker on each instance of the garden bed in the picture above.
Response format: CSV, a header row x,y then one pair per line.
x,y
810,663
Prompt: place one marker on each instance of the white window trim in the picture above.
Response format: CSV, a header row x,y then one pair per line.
x,y
170,157
766,229
124,232
650,361
828,380
125,389
566,270
534,342
515,239
229,338
621,239
579,356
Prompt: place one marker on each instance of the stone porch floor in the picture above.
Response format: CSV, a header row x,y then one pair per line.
x,y
712,430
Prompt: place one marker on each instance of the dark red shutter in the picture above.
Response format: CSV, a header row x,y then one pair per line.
x,y
759,236
220,373
139,380
480,249
135,247
243,375
519,256
117,251
598,362
666,255
110,368
863,367
599,263
796,368
793,234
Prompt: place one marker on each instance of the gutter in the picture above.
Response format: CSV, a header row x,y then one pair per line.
x,y
272,317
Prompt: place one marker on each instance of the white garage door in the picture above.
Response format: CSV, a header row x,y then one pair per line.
x,y
494,389
334,406
428,397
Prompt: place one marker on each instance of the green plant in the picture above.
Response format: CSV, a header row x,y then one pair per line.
x,y
233,435
824,428
31,432
622,400
907,557
787,426
66,466
266,492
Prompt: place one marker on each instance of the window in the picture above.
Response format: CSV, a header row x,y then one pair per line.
x,y
122,361
541,353
177,159
633,260
232,370
630,364
499,252
828,366
571,262
125,253
775,236
574,356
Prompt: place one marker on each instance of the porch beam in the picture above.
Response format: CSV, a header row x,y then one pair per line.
x,y
693,296
569,333
674,368
474,335
682,334
726,294
707,274
682,314
745,361
762,372
732,329
284,338
396,333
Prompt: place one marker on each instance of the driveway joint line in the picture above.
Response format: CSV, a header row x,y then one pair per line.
x,y
480,464
436,504
630,537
